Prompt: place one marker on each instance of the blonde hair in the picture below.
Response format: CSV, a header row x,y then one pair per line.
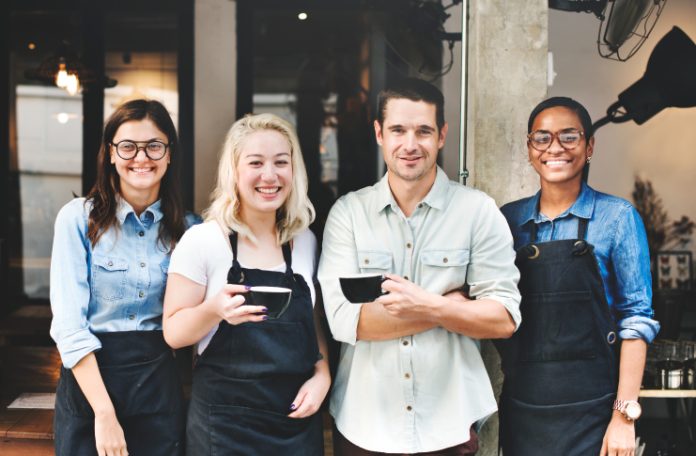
x,y
297,211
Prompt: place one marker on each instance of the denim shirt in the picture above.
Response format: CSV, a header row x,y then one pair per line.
x,y
117,285
616,231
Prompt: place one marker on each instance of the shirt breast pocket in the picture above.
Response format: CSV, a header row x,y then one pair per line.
x,y
109,277
375,261
446,268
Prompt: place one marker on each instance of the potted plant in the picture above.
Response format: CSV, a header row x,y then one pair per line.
x,y
664,238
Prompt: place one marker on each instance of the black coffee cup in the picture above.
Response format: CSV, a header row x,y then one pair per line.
x,y
360,288
275,299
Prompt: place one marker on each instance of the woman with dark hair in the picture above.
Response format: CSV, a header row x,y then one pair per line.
x,y
119,391
573,370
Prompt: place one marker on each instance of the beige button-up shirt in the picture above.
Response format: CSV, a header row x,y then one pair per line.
x,y
422,392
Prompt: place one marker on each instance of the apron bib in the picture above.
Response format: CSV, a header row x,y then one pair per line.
x,y
561,366
142,379
247,377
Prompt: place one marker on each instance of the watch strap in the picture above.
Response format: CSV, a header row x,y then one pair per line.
x,y
620,406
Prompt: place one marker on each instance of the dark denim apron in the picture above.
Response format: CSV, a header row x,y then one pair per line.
x,y
249,374
141,377
561,366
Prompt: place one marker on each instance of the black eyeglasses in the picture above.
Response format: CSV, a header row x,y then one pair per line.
x,y
127,149
541,140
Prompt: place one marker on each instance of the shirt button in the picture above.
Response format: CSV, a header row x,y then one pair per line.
x,y
131,317
111,263
367,261
409,408
420,205
408,245
142,265
404,343
444,260
141,233
406,277
407,375
141,294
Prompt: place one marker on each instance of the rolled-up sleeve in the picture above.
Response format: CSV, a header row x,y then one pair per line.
x,y
70,293
492,273
630,258
339,256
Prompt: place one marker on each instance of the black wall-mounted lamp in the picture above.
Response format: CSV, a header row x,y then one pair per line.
x,y
669,81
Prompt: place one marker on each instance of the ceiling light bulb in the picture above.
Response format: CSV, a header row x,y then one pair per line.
x,y
73,84
62,76
63,117
302,16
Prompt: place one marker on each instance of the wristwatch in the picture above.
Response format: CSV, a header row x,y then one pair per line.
x,y
629,409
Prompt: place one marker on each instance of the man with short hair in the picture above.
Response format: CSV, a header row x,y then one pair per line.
x,y
410,377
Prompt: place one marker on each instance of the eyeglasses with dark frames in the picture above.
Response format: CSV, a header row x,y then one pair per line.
x,y
127,149
541,140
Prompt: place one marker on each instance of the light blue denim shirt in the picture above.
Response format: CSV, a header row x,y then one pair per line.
x,y
117,285
620,245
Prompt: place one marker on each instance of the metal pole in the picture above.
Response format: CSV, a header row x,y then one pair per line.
x,y
463,171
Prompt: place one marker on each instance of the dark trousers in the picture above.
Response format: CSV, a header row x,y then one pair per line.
x,y
343,447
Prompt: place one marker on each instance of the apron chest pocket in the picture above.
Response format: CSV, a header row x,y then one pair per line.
x,y
558,326
271,347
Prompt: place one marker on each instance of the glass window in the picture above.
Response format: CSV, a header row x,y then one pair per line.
x,y
141,54
45,147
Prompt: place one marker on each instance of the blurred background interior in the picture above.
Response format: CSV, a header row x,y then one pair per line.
x,y
320,65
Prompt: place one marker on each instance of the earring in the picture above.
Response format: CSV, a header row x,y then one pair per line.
x,y
588,159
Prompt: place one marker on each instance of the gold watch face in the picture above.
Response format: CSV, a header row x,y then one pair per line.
x,y
632,410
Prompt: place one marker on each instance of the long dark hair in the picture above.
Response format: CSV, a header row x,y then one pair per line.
x,y
102,215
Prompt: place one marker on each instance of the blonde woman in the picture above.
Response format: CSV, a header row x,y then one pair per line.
x,y
258,382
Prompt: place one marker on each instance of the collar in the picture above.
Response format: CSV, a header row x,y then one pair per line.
x,y
436,197
583,207
123,209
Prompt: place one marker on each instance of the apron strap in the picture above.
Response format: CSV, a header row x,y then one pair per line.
x,y
582,228
233,244
287,256
533,232
287,253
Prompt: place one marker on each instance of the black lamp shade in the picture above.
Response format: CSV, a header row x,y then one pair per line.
x,y
669,80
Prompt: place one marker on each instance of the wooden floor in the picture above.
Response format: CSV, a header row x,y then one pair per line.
x,y
26,369
26,447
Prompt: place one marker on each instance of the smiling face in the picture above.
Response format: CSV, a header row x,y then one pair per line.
x,y
410,139
556,165
264,172
139,177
